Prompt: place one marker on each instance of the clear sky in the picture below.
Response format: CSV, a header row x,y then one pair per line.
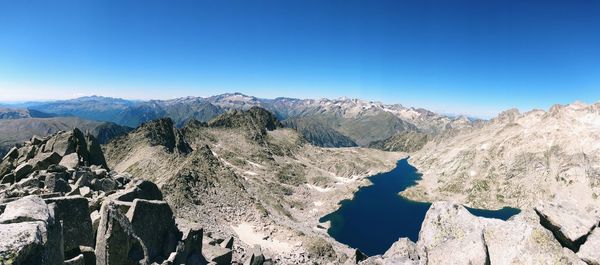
x,y
471,57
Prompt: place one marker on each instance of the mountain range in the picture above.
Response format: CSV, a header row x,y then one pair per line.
x,y
323,122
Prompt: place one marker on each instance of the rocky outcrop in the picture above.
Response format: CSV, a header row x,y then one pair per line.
x,y
162,132
569,224
451,235
30,233
78,214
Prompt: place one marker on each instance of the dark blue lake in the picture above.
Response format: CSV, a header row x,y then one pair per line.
x,y
377,216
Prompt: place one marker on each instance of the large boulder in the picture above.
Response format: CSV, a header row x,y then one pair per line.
x,y
30,233
139,189
402,252
74,213
522,240
22,171
153,223
116,242
70,160
451,235
256,257
217,254
590,250
189,248
44,160
567,221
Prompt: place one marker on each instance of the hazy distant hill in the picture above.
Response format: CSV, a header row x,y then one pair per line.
x,y
18,113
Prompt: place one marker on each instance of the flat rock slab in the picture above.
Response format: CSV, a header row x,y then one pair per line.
x,y
569,224
452,235
590,250
29,208
523,240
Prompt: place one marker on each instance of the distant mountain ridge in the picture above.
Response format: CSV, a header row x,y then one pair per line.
x,y
324,122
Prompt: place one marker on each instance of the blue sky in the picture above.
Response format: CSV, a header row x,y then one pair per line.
x,y
469,57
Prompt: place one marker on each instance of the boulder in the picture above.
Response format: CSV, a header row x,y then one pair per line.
x,y
77,226
590,250
43,160
139,189
227,243
190,246
216,254
29,208
84,178
569,224
402,252
56,183
522,240
256,256
22,171
116,242
105,184
153,222
449,227
30,233
13,153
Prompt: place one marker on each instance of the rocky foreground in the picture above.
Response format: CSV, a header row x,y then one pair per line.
x,y
59,204
551,233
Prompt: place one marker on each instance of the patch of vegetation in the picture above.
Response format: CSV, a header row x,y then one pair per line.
x,y
291,175
318,247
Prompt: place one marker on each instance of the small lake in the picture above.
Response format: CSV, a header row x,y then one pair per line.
x,y
377,216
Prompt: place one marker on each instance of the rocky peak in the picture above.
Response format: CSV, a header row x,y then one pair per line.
x,y
508,116
163,132
255,119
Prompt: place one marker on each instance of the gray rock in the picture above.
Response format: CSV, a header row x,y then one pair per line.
x,y
55,183
29,208
44,160
84,178
522,240
13,153
569,224
402,252
22,171
449,227
70,160
153,222
105,184
227,243
217,254
75,217
30,233
590,250
190,247
256,256
116,242
140,189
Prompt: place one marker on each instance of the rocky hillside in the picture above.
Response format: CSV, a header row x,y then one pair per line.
x,y
16,113
403,142
515,159
15,131
60,205
246,175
